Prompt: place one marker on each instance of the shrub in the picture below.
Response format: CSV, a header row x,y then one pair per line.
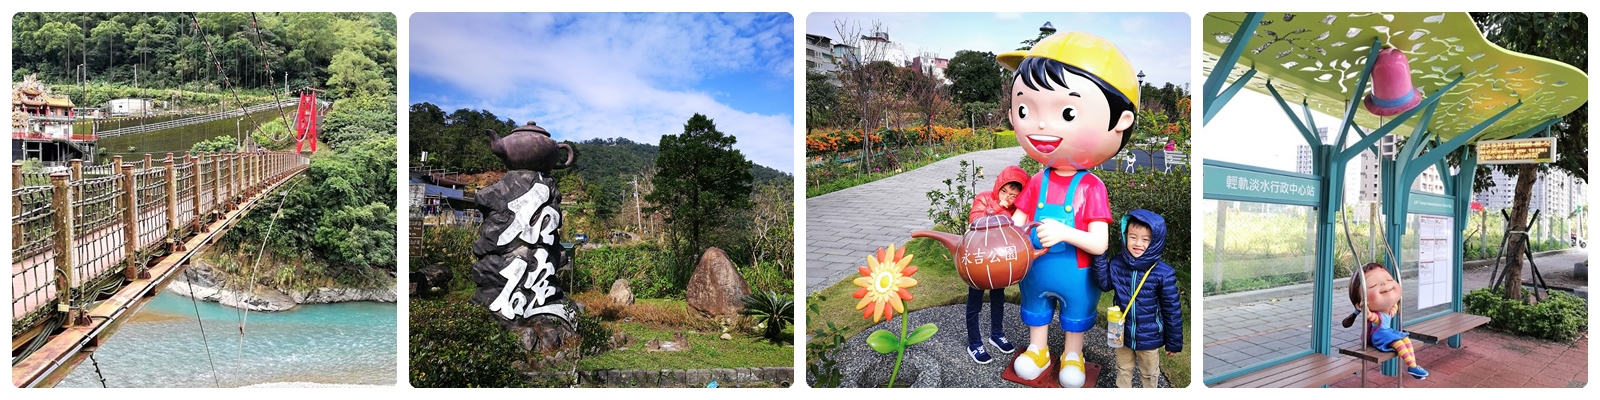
x,y
822,363
450,246
594,337
1559,317
769,308
766,275
455,344
646,266
949,208
1166,194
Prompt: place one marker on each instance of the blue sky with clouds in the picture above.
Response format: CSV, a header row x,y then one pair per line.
x,y
1157,43
605,75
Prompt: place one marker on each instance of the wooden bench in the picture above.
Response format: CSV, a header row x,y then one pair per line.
x,y
1314,370
1369,354
1443,327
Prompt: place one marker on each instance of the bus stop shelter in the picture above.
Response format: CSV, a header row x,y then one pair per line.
x,y
1318,62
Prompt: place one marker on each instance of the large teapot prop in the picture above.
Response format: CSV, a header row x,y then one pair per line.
x,y
529,147
993,254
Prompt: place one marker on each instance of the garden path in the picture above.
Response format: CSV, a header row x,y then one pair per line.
x,y
844,226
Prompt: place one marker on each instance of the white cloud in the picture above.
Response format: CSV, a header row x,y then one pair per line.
x,y
612,75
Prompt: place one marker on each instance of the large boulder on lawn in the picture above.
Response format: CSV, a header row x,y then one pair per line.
x,y
716,287
621,294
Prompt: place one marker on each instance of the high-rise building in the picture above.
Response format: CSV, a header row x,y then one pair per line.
x,y
819,53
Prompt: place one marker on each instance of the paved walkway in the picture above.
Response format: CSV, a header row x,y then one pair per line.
x,y
844,226
1246,329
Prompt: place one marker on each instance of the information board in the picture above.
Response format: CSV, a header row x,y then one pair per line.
x,y
1435,260
1517,151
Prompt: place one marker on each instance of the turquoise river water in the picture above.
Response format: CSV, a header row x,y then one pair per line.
x,y
343,343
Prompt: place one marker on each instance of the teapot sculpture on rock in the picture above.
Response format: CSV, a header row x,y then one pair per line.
x,y
993,254
529,147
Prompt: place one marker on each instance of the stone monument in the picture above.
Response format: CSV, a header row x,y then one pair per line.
x,y
519,248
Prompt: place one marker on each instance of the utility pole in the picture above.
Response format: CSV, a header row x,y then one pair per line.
x,y
638,215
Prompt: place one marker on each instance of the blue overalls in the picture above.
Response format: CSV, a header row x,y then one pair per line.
x,y
1056,275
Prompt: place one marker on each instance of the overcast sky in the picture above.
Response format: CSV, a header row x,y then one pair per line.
x,y
606,75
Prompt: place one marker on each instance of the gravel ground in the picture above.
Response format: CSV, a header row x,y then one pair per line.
x,y
943,361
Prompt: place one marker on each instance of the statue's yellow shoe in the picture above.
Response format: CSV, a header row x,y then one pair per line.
x,y
1032,363
1072,374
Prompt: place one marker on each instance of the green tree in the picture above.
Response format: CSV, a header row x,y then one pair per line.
x,y
219,144
822,100
700,181
1562,37
352,73
59,38
975,77
108,32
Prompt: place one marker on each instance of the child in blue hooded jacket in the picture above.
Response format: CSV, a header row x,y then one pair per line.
x,y
1155,319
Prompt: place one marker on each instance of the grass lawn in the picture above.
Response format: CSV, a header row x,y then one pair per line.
x,y
938,285
660,318
706,350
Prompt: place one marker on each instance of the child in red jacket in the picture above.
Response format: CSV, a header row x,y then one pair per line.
x,y
1000,201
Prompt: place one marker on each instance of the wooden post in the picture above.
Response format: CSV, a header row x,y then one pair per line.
x,y
147,164
196,172
61,218
255,173
75,168
172,205
234,188
16,207
130,224
216,184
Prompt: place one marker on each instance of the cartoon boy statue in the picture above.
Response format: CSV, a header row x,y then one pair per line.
x,y
1074,97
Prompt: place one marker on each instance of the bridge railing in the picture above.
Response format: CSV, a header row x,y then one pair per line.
x,y
79,234
199,119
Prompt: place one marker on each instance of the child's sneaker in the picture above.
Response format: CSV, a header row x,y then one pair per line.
x,y
1417,372
1000,342
979,354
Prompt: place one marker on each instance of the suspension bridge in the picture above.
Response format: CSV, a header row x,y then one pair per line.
x,y
92,245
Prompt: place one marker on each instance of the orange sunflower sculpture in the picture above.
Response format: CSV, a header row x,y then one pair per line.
x,y
883,284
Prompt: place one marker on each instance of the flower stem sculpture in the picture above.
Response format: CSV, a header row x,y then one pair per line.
x,y
884,282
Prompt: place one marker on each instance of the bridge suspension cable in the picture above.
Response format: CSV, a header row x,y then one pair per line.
x,y
261,50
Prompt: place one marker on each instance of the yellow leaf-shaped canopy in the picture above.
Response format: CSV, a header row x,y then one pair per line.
x,y
1318,56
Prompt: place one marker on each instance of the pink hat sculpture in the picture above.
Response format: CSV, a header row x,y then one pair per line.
x,y
1392,92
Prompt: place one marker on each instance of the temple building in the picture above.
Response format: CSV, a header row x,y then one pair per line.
x,y
41,126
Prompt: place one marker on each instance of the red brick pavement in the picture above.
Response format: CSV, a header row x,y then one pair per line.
x,y
1493,360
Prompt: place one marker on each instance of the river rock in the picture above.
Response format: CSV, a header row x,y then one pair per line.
x,y
716,287
621,294
200,282
340,295
431,280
